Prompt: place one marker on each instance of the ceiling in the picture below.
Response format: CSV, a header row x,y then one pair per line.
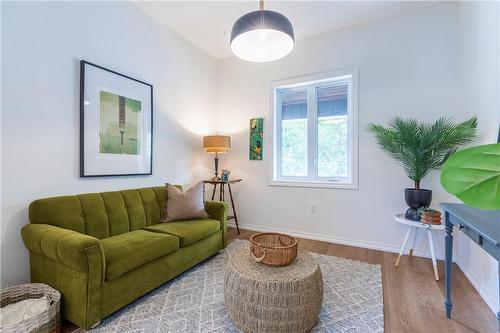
x,y
207,24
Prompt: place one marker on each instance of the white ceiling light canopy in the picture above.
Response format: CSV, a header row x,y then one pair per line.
x,y
262,35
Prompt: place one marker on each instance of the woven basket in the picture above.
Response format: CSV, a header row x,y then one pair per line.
x,y
45,322
273,249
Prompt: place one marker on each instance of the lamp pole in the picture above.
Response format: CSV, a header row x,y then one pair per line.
x,y
216,159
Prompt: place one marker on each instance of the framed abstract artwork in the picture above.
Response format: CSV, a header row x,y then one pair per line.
x,y
116,123
256,138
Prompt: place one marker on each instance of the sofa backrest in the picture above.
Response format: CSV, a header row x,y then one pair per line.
x,y
103,214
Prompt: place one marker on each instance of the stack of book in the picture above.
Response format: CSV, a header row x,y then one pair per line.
x,y
431,216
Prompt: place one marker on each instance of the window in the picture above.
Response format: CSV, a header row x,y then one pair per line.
x,y
314,131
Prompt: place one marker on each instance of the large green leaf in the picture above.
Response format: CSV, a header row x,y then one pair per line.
x,y
473,175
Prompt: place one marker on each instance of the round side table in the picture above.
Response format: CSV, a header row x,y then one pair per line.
x,y
222,195
261,298
413,228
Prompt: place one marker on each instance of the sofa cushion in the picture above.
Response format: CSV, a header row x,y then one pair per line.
x,y
189,231
130,250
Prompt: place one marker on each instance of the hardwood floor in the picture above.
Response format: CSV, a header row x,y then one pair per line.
x,y
413,300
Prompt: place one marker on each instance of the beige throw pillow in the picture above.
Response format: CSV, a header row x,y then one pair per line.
x,y
185,205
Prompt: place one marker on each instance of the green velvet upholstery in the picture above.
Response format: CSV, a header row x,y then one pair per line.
x,y
70,262
126,288
130,250
218,211
62,245
104,214
96,248
188,231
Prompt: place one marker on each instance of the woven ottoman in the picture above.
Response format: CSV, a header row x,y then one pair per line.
x,y
261,298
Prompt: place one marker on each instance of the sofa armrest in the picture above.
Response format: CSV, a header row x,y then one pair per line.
x,y
67,253
218,211
71,248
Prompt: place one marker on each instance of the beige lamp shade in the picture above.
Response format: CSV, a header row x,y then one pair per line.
x,y
216,143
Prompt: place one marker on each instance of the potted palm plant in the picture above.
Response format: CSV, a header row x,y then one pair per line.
x,y
422,147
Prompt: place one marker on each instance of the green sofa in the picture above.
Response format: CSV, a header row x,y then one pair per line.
x,y
104,250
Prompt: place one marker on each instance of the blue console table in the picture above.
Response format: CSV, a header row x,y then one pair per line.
x,y
483,227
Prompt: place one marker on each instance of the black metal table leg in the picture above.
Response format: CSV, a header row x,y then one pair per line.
x,y
213,193
234,210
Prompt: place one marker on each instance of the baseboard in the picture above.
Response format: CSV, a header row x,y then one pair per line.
x,y
488,297
335,240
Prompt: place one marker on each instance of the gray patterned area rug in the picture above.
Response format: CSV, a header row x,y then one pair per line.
x,y
194,301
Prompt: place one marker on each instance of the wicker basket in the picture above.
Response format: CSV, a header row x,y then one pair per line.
x,y
273,249
48,321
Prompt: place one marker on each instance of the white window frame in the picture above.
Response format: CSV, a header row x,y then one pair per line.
x,y
319,80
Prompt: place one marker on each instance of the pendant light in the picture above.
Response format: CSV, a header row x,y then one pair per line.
x,y
262,35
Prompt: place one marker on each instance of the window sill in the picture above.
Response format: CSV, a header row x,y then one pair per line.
x,y
313,184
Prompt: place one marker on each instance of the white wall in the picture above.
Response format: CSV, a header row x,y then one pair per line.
x,y
408,65
480,73
42,44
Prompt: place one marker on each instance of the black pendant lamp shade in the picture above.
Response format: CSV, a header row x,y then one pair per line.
x,y
261,36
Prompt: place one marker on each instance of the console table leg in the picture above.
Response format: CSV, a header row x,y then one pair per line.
x,y
404,246
433,254
448,257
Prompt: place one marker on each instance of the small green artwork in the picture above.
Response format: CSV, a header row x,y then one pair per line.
x,y
256,136
119,124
